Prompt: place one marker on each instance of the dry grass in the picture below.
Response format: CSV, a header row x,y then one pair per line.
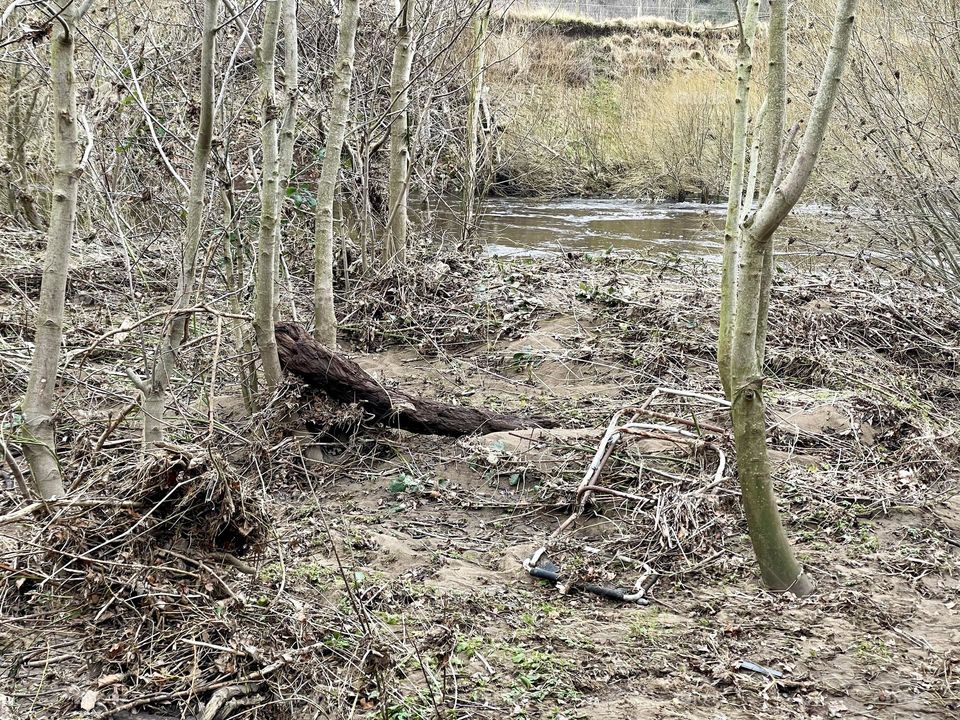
x,y
628,114
577,24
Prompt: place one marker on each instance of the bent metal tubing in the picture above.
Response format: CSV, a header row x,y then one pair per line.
x,y
542,567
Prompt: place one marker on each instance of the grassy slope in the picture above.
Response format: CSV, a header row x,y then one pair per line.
x,y
634,108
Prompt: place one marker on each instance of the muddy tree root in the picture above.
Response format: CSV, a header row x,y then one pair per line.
x,y
341,379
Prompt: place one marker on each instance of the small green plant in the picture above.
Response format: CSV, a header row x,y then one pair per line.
x,y
645,627
873,652
404,483
468,646
271,572
317,575
868,540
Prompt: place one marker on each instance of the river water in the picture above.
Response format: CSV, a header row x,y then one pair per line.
x,y
531,227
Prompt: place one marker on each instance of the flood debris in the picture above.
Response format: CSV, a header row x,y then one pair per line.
x,y
541,567
432,531
342,379
670,429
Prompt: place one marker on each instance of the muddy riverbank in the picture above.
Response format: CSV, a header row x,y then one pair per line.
x,y
391,574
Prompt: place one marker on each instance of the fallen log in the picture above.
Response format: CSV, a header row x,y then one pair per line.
x,y
341,379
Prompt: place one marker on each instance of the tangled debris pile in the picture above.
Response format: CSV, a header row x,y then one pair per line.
x,y
447,302
130,575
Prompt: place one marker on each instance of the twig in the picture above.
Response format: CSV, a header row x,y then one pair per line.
x,y
695,396
235,562
682,421
153,316
200,564
114,423
66,502
15,470
257,676
610,491
213,381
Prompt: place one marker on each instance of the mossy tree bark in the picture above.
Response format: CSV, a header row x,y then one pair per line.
x,y
154,391
324,317
39,441
398,186
746,290
471,132
263,315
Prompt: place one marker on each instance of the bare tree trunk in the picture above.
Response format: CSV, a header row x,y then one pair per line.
x,y
263,321
288,129
39,439
291,81
324,317
395,244
20,124
731,236
154,391
12,138
14,169
474,95
778,565
233,274
368,225
771,143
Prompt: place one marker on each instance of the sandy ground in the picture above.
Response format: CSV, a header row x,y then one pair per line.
x,y
389,579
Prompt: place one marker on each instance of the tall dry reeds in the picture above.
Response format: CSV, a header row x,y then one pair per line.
x,y
642,113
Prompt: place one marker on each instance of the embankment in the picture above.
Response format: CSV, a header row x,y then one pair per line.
x,y
638,108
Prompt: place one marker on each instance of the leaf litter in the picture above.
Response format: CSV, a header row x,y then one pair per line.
x,y
299,562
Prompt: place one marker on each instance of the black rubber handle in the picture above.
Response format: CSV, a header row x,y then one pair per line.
x,y
607,592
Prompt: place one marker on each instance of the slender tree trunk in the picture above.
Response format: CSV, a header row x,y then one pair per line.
x,y
771,143
731,235
324,317
20,125
291,82
288,129
472,131
233,274
395,244
263,321
772,130
368,225
155,389
13,167
748,297
39,438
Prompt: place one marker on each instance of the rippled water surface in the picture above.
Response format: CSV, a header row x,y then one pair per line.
x,y
519,226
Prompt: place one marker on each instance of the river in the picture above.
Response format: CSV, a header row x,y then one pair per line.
x,y
532,227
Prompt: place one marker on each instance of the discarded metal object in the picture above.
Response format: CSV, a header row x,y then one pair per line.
x,y
540,566
759,669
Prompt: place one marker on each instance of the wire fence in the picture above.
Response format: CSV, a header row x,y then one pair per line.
x,y
688,11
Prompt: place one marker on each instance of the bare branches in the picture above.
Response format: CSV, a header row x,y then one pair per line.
x,y
785,195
